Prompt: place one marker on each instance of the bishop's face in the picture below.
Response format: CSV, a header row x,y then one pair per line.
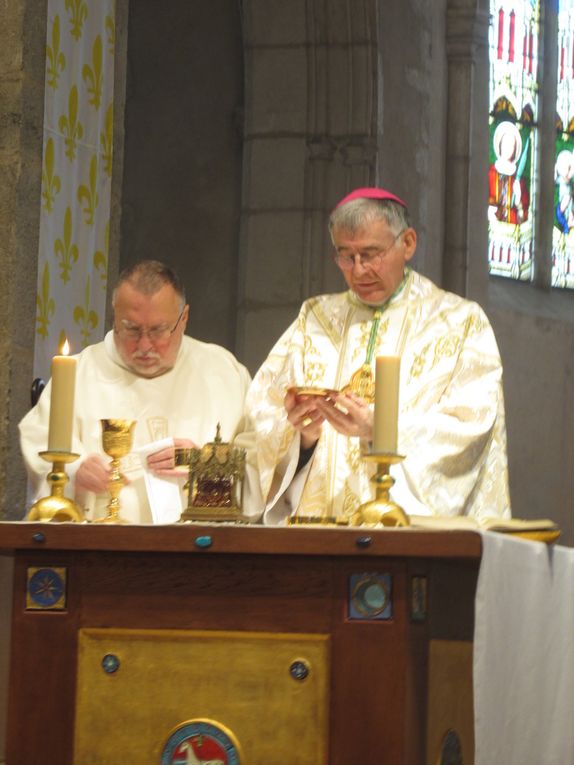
x,y
373,258
148,329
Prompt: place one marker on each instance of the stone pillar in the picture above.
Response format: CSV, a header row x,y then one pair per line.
x,y
546,156
466,228
311,116
22,56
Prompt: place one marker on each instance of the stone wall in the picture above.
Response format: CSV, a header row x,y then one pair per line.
x,y
181,183
22,99
23,27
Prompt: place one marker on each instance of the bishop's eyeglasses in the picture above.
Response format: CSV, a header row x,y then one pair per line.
x,y
158,334
368,258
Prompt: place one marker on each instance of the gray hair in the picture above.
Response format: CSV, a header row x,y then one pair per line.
x,y
148,277
356,214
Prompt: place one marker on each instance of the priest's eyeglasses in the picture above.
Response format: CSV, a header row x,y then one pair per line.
x,y
368,258
158,334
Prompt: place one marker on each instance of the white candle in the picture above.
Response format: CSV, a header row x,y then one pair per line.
x,y
62,402
387,376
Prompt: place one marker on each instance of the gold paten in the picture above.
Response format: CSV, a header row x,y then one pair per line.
x,y
56,507
381,510
312,391
215,483
117,439
241,680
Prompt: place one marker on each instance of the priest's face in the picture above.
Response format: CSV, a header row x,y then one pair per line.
x,y
148,328
373,258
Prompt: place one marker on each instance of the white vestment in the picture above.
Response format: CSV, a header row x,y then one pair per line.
x,y
205,387
451,419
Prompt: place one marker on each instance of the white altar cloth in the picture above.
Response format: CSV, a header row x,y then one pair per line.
x,y
524,653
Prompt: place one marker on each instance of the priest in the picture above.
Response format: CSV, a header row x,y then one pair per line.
x,y
146,369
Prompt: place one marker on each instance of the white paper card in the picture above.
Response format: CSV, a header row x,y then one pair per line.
x,y
164,495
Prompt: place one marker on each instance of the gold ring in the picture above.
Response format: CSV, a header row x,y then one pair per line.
x,y
307,421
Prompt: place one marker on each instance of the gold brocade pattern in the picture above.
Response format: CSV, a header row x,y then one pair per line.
x,y
446,347
451,420
354,456
419,362
351,503
314,367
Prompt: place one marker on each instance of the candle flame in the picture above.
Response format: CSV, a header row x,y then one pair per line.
x,y
65,348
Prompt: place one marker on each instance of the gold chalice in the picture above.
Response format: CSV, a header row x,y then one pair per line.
x,y
117,438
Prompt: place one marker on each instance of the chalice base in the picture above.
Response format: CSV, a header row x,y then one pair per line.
x,y
109,518
113,509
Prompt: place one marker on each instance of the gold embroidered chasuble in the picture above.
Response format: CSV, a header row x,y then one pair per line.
x,y
451,419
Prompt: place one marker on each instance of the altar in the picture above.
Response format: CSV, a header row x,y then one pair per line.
x,y
246,645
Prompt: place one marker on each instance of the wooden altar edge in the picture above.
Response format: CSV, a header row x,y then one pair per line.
x,y
399,542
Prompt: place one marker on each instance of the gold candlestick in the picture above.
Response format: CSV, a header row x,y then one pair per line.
x,y
56,507
382,509
117,438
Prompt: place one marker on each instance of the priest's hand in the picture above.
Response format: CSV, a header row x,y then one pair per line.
x,y
93,474
162,463
349,414
303,414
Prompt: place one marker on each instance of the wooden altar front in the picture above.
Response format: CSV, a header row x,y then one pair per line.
x,y
243,645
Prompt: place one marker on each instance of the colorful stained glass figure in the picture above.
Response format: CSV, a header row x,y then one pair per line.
x,y
513,133
563,231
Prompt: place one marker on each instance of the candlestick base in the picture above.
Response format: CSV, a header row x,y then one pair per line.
x,y
381,510
56,507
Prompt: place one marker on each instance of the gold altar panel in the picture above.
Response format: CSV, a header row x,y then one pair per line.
x,y
450,699
241,680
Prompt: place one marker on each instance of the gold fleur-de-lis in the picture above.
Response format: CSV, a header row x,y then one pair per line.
x,y
101,259
92,75
45,304
77,13
51,183
89,193
55,59
110,25
70,125
106,141
66,252
86,318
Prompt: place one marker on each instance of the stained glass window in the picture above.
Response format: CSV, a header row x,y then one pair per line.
x,y
513,134
563,231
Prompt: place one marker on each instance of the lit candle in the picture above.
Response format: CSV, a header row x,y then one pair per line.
x,y
62,402
387,376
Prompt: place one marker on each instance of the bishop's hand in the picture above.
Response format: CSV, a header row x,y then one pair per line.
x,y
349,414
303,414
